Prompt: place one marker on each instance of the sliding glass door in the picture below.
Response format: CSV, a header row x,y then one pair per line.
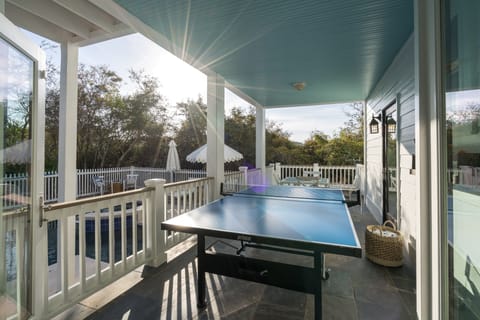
x,y
21,169
461,52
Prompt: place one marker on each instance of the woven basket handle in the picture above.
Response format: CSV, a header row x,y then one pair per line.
x,y
390,222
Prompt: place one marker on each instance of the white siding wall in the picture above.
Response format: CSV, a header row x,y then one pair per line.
x,y
397,82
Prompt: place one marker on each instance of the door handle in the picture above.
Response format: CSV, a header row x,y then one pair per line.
x,y
43,207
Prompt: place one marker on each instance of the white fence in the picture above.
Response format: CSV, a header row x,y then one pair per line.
x,y
116,233
337,175
16,186
236,180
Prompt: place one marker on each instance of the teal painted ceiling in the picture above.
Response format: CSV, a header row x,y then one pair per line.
x,y
340,48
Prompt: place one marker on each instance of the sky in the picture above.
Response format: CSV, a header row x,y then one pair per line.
x,y
179,82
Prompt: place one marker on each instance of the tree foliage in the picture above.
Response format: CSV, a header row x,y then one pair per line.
x,y
134,129
192,131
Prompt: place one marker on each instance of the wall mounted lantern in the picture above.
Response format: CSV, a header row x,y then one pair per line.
x,y
374,124
391,125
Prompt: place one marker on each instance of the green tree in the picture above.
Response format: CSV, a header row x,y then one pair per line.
x,y
345,149
313,147
98,94
240,135
279,147
192,131
52,103
142,122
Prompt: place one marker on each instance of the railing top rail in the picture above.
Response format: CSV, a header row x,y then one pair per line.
x,y
74,203
232,173
14,213
180,183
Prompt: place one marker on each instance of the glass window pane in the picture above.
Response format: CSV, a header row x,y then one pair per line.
x,y
462,97
16,84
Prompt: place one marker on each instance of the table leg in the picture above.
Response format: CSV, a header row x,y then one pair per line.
x,y
319,268
202,290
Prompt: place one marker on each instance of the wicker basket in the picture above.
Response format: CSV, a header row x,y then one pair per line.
x,y
384,244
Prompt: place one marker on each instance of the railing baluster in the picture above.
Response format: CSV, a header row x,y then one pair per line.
x,y
134,230
64,258
123,221
111,241
81,250
98,247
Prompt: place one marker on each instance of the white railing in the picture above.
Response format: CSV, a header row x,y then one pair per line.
x,y
236,180
75,275
337,175
186,174
255,177
13,282
16,186
150,173
115,233
51,186
181,197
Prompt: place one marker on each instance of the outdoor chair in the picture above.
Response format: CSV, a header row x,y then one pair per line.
x,y
130,182
99,182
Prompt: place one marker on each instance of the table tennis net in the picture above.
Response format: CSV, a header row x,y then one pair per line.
x,y
285,192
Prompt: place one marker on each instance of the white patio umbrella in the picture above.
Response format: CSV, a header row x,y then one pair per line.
x,y
200,155
173,161
18,153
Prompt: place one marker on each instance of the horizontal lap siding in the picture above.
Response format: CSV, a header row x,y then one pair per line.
x,y
397,83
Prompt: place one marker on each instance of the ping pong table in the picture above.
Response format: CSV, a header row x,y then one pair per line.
x,y
297,220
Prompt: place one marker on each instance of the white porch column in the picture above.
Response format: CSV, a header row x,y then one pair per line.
x,y
67,144
431,256
215,130
260,140
2,6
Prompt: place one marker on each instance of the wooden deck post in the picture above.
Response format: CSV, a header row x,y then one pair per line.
x,y
156,238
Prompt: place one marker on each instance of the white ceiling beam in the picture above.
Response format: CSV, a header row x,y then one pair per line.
x,y
90,13
99,36
56,15
35,24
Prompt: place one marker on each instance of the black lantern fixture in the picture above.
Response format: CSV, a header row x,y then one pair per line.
x,y
374,124
391,125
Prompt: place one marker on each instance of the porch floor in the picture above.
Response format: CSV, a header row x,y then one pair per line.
x,y
356,289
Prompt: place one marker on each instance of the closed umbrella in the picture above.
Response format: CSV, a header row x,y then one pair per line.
x,y
173,161
200,155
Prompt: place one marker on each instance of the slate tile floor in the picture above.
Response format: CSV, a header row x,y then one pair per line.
x,y
356,289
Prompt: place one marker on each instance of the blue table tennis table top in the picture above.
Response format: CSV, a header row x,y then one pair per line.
x,y
302,223
293,192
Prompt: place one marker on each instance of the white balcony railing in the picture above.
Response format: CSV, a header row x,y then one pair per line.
x,y
103,238
337,175
98,240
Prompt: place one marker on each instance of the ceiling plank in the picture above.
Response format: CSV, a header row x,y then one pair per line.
x,y
35,24
89,12
56,15
139,26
